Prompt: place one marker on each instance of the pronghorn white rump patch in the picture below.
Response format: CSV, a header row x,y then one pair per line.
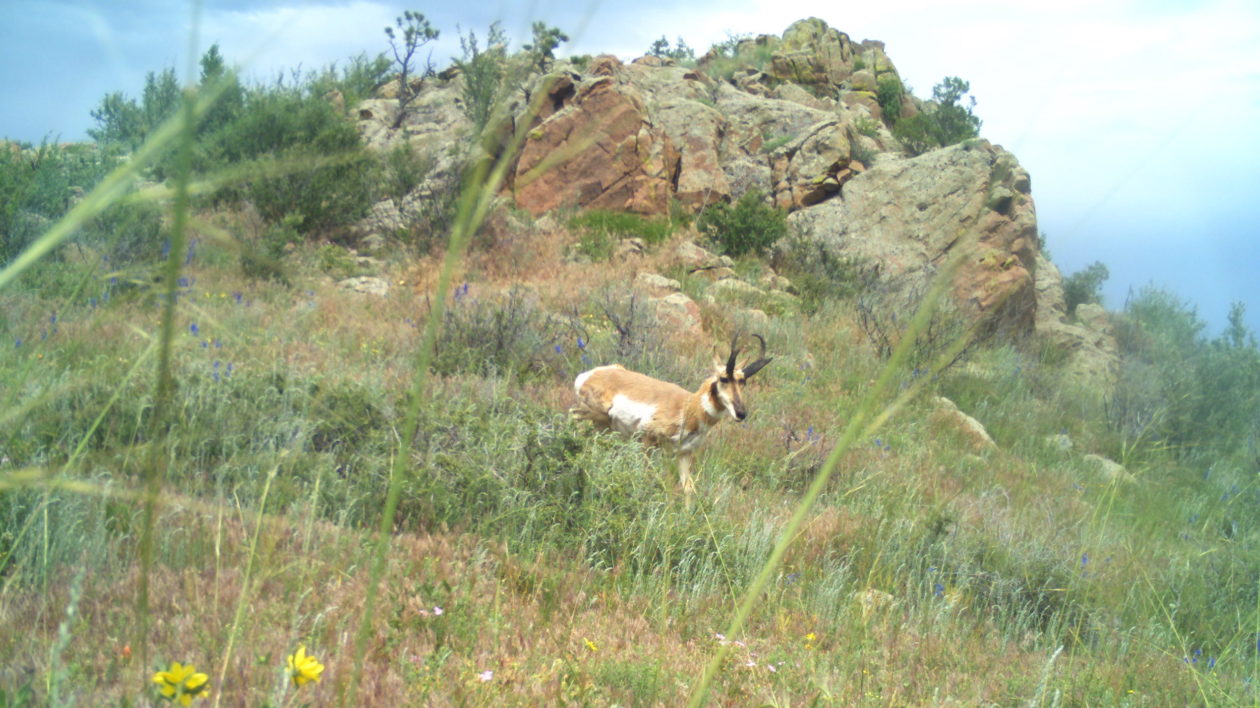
x,y
630,416
581,381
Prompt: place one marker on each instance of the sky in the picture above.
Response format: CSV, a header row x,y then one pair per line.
x,y
1136,119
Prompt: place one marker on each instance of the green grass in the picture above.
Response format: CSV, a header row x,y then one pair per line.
x,y
525,517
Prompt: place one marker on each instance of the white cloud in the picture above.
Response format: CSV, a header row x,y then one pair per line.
x,y
266,41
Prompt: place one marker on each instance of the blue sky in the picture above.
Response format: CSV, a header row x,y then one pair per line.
x,y
1137,120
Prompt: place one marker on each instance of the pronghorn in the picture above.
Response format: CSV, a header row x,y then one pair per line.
x,y
661,413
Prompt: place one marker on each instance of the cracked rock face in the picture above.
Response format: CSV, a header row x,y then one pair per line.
x,y
907,216
633,137
597,150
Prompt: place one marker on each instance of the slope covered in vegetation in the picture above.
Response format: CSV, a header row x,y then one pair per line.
x,y
214,449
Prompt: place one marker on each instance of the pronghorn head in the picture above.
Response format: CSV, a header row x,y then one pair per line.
x,y
727,385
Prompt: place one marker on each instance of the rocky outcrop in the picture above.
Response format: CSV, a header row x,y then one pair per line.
x,y
908,216
598,149
947,414
813,55
367,285
814,166
1110,470
634,136
1087,344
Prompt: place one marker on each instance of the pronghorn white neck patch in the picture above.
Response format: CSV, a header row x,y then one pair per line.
x,y
706,402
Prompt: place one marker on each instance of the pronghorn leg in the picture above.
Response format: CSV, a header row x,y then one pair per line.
x,y
684,477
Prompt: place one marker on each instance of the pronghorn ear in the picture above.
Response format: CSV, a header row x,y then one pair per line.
x,y
755,367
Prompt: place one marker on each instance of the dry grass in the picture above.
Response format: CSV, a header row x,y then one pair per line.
x,y
901,517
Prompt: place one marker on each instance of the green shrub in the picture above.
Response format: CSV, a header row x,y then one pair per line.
x,y
38,185
771,144
402,171
945,121
622,224
311,161
820,274
748,226
262,259
888,92
508,336
734,53
595,245
319,167
866,126
127,233
915,134
358,80
1085,286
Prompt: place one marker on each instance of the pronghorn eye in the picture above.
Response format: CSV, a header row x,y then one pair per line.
x,y
724,379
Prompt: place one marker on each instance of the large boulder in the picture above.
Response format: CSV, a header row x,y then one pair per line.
x,y
813,167
908,215
813,55
599,149
1087,343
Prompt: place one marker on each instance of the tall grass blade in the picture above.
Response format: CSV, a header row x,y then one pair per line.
x,y
857,427
480,188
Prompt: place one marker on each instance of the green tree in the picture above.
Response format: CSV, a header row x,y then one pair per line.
x,y
1085,286
948,119
119,121
415,33
123,122
952,118
1157,395
680,52
1236,334
483,72
1228,405
230,96
888,93
543,47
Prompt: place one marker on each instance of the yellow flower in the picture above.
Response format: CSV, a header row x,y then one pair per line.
x,y
590,645
303,668
182,683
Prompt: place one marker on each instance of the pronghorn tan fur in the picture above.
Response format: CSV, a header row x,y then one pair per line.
x,y
661,413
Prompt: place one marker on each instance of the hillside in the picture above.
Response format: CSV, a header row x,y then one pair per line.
x,y
290,366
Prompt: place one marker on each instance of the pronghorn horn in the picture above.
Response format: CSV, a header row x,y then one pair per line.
x,y
730,362
761,361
